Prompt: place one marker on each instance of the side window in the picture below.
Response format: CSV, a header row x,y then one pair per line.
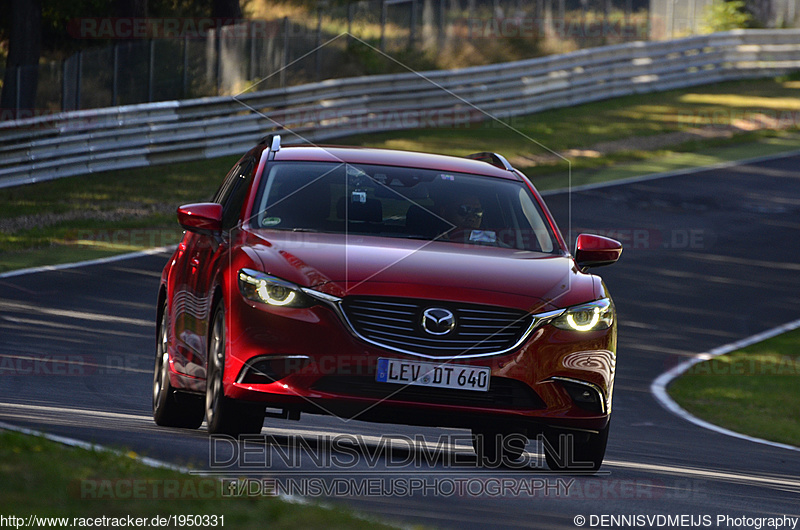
x,y
234,192
224,190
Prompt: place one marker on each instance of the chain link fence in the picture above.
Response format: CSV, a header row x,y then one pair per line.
x,y
195,60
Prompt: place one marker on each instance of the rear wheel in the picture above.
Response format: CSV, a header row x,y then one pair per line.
x,y
171,408
576,451
495,446
225,415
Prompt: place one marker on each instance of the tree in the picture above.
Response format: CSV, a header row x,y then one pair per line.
x,y
226,9
725,15
24,50
130,8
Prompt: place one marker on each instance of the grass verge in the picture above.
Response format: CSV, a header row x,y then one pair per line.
x,y
754,391
611,133
98,215
108,213
663,161
46,479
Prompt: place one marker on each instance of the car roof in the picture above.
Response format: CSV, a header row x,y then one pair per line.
x,y
391,157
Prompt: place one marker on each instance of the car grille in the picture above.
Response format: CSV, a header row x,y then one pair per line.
x,y
503,392
396,324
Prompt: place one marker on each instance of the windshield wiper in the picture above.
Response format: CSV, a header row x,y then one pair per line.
x,y
420,237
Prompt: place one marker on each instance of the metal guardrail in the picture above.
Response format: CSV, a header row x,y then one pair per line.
x,y
80,142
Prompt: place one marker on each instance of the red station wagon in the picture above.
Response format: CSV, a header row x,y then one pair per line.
x,y
387,286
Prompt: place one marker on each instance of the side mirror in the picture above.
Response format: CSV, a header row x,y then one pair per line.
x,y
595,251
203,218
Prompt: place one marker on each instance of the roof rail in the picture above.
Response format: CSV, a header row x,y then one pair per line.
x,y
493,159
273,142
274,145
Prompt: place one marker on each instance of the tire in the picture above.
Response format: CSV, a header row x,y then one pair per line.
x,y
171,408
225,415
495,447
588,450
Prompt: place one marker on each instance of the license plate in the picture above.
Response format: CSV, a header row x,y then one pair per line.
x,y
439,375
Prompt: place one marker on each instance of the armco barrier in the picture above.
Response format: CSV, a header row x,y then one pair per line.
x,y
73,143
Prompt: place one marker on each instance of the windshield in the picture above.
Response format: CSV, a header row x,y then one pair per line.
x,y
401,202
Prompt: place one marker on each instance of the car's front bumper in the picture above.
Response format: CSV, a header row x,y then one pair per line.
x,y
309,360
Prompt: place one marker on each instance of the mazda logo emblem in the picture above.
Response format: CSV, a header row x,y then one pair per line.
x,y
438,321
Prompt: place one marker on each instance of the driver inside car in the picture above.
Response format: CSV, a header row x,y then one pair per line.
x,y
465,212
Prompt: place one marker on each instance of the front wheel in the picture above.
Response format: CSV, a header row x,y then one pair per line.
x,y
576,451
171,408
225,415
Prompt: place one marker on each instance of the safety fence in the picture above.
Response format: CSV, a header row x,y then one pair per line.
x,y
80,142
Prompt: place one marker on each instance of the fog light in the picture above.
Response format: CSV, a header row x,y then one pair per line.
x,y
585,395
271,368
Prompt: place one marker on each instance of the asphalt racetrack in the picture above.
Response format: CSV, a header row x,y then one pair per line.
x,y
710,257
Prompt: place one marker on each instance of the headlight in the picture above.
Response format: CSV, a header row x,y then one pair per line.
x,y
260,287
587,317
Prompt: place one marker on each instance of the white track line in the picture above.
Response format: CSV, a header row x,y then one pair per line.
x,y
674,173
99,261
785,483
585,187
72,442
150,462
659,386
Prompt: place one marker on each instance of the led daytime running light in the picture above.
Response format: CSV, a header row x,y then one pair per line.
x,y
260,287
263,291
591,316
584,327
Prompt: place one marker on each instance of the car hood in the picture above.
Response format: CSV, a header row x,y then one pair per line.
x,y
340,265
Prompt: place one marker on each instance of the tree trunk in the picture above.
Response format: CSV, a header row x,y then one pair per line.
x,y
22,63
130,8
226,9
